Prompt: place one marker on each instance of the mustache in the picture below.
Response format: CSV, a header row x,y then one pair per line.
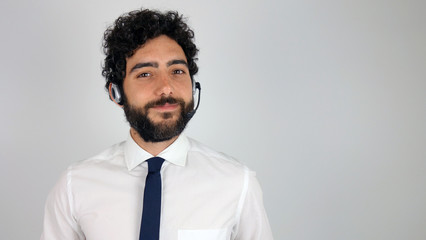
x,y
164,100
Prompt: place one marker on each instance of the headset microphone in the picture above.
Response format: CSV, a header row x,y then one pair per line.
x,y
191,113
115,96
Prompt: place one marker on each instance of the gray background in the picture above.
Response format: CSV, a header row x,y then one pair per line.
x,y
325,100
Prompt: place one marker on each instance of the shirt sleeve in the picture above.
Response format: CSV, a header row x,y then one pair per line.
x,y
59,222
253,223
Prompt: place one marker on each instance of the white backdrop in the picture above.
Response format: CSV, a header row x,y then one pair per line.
x,y
325,100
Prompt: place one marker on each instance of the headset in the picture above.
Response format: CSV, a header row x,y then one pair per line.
x,y
115,95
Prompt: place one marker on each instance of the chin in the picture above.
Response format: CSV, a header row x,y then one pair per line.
x,y
165,116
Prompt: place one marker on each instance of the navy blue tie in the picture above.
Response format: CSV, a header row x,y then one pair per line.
x,y
150,226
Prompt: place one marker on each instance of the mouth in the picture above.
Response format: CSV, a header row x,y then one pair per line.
x,y
166,107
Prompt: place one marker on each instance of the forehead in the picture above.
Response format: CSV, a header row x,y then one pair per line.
x,y
159,49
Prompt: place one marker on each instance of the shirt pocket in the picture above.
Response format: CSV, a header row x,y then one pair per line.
x,y
202,234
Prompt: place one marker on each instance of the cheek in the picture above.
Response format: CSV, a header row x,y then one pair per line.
x,y
188,96
188,91
134,95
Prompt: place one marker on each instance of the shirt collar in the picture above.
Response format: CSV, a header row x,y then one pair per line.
x,y
175,153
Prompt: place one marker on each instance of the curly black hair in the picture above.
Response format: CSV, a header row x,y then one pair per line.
x,y
132,30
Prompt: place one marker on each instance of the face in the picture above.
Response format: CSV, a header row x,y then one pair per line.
x,y
158,90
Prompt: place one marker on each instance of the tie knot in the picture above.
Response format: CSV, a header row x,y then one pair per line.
x,y
154,164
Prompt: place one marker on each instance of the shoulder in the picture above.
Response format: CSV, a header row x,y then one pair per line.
x,y
208,156
208,152
112,156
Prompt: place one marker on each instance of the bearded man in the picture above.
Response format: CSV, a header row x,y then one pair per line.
x,y
158,184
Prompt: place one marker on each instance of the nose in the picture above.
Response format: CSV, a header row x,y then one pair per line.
x,y
164,87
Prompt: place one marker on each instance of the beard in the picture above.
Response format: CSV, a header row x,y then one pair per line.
x,y
158,132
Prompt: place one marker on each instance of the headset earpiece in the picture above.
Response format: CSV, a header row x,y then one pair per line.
x,y
193,82
115,93
195,86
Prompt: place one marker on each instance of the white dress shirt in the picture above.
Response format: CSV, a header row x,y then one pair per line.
x,y
206,195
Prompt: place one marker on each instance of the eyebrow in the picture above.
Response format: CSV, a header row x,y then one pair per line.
x,y
177,61
154,64
142,65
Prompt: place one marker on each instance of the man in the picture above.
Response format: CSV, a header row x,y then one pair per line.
x,y
158,184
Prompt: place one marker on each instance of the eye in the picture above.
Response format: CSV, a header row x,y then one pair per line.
x,y
178,71
144,75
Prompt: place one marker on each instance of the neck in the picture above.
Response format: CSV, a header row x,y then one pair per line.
x,y
154,148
